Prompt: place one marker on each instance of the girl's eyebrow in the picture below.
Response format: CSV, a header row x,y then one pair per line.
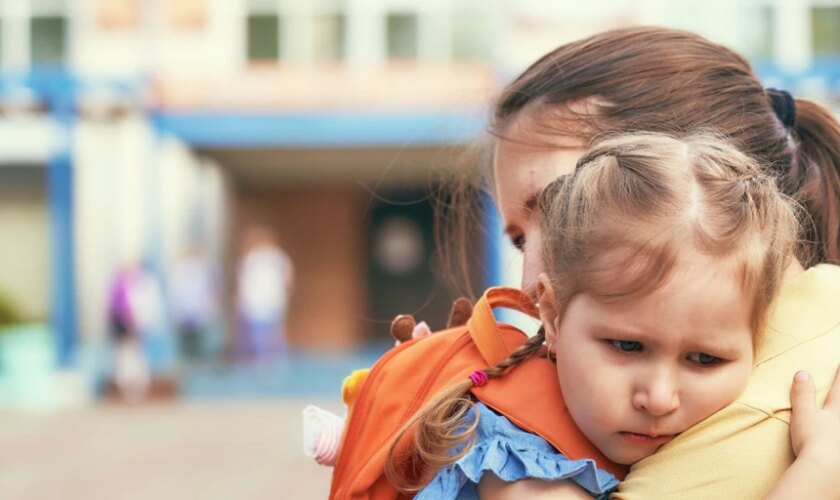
x,y
611,330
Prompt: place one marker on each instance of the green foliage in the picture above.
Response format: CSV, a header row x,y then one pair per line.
x,y
9,310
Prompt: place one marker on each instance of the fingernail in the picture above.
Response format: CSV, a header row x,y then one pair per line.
x,y
801,376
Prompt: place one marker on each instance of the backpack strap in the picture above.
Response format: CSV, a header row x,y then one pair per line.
x,y
482,325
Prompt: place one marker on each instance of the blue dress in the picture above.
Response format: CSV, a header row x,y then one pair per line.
x,y
512,453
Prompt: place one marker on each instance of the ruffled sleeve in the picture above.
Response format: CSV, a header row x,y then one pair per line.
x,y
511,454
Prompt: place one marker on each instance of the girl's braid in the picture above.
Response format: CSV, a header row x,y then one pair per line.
x,y
522,353
443,430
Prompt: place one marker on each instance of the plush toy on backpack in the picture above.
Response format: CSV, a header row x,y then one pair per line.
x,y
322,430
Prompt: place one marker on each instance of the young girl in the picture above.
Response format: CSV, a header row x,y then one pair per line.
x,y
662,257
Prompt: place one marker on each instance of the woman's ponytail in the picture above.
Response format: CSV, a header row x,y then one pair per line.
x,y
815,175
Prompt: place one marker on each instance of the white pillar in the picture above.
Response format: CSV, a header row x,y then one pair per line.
x,y
365,34
434,31
15,41
792,34
297,32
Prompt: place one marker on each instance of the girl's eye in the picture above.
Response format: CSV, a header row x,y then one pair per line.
x,y
518,242
627,345
702,358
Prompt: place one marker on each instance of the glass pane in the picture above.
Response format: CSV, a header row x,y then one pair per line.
x,y
263,37
329,37
402,36
825,23
47,39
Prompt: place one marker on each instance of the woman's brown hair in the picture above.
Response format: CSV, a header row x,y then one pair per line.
x,y
603,235
650,79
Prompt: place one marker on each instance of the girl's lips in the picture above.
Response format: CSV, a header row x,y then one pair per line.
x,y
647,439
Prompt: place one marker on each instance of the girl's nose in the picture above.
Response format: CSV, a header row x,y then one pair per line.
x,y
658,395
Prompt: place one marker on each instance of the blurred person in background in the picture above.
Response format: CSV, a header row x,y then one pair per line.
x,y
131,373
194,298
264,283
151,322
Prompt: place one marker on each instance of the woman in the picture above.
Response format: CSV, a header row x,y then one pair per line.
x,y
663,80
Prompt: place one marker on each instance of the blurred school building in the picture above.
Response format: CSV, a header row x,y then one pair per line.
x,y
133,131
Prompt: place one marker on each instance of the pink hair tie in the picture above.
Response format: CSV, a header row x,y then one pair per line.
x,y
479,378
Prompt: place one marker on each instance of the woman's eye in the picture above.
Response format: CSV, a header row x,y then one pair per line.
x,y
701,358
627,345
518,242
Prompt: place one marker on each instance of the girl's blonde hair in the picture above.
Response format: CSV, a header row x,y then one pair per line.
x,y
635,207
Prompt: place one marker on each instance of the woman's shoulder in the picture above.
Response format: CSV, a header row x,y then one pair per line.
x,y
803,332
805,310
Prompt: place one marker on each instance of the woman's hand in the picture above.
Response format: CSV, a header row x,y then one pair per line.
x,y
815,439
815,432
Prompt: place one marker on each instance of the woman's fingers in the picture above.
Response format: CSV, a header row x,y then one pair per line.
x,y
803,394
804,416
815,429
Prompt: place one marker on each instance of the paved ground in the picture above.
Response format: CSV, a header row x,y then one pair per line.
x,y
234,449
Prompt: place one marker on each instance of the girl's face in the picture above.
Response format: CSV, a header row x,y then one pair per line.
x,y
521,169
638,371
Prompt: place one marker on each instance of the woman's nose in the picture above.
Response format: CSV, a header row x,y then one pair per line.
x,y
658,395
531,269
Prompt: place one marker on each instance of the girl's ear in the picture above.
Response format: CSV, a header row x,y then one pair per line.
x,y
548,308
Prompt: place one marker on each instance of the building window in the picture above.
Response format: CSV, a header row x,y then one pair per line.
x,y
47,39
263,37
825,26
329,37
401,35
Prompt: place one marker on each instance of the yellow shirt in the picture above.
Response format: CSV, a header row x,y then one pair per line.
x,y
741,451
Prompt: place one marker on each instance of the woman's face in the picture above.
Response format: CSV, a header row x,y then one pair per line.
x,y
523,164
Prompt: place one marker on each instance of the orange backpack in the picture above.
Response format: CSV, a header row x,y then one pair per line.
x,y
406,377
